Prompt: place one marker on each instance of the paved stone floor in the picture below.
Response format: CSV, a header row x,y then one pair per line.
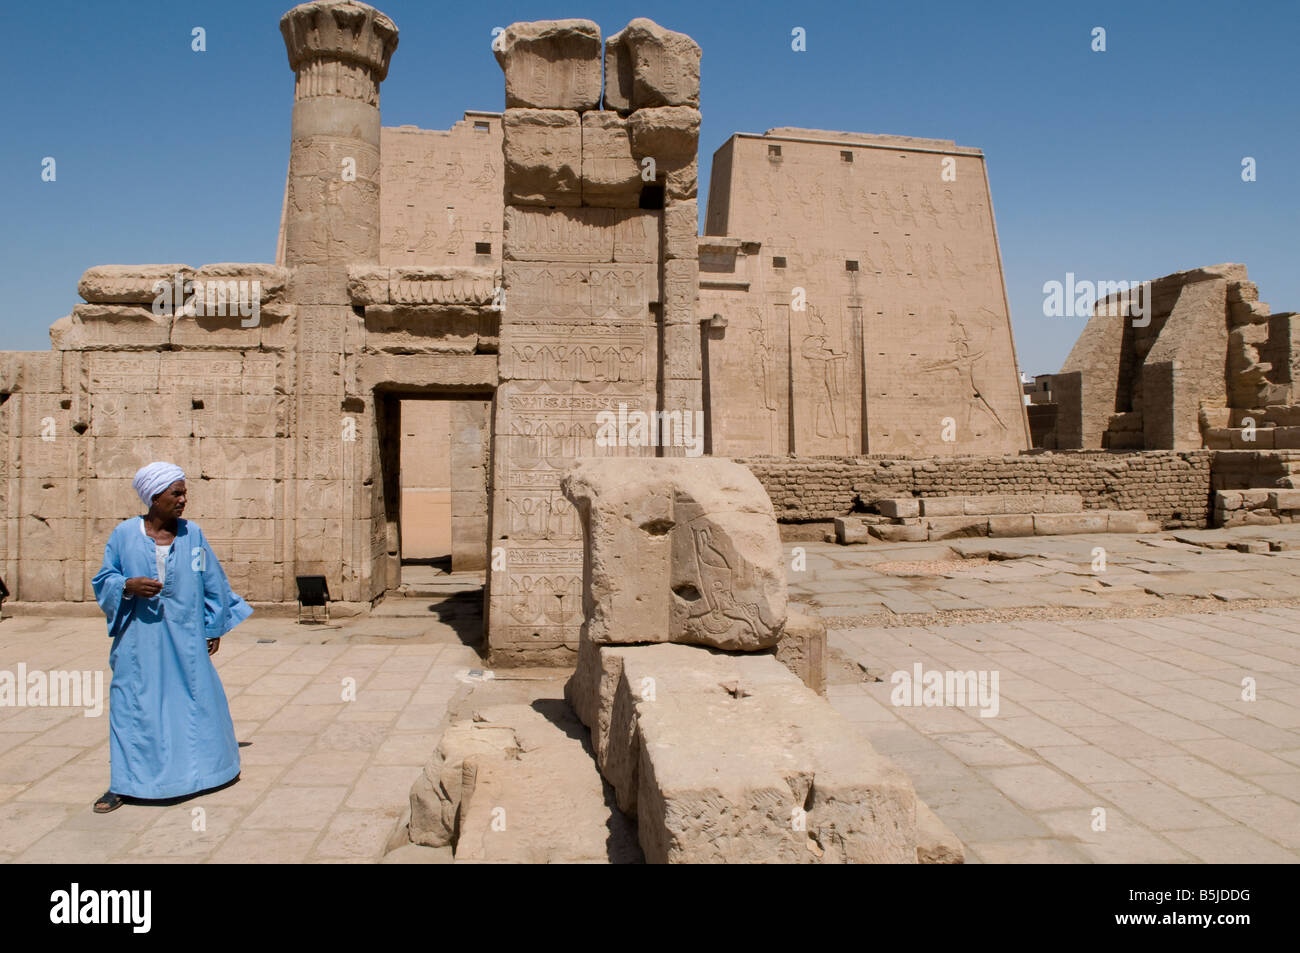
x,y
1119,690
323,779
1134,706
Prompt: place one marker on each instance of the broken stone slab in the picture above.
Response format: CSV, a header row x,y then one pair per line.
x,y
943,506
1129,521
733,760
1064,524
935,842
543,156
546,804
849,530
436,795
678,550
908,533
665,65
1232,595
551,64
802,649
1284,500
1018,524
128,284
950,527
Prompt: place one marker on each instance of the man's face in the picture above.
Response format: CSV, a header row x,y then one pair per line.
x,y
170,503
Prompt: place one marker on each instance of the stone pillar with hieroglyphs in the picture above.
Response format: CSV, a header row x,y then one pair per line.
x,y
586,259
339,52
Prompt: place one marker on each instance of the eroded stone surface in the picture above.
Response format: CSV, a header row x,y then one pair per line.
x,y
551,64
682,550
729,758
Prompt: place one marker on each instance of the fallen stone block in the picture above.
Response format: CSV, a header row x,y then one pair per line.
x,y
1227,499
943,506
802,649
777,775
436,795
1125,521
952,527
908,533
1011,525
1284,500
678,550
1260,518
899,508
536,807
850,530
1250,546
1064,524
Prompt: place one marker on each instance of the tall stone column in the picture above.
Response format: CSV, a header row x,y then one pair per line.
x,y
339,52
591,293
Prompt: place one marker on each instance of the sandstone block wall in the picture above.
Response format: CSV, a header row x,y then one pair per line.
x,y
861,300
1205,357
1172,488
599,299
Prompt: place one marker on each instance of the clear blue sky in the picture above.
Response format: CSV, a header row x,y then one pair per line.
x,y
1117,165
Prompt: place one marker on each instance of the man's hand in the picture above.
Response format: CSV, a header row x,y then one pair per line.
x,y
143,586
213,646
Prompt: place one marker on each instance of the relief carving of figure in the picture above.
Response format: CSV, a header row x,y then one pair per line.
x,y
718,610
762,356
965,361
827,371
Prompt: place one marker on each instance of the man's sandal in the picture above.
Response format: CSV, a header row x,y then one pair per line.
x,y
108,802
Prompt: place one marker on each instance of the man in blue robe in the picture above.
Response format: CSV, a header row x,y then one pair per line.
x,y
168,604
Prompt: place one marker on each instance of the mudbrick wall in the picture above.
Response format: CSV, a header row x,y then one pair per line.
x,y
1173,487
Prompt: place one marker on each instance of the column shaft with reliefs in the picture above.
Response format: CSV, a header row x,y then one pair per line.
x,y
339,52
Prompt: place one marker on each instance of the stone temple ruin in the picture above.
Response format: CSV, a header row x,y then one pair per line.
x,y
538,271
534,268
840,332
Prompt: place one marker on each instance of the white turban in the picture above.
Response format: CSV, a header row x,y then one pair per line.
x,y
153,479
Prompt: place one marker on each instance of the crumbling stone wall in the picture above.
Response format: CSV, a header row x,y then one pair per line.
x,y
1173,488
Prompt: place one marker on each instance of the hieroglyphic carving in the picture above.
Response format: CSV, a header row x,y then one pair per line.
x,y
581,234
605,353
576,293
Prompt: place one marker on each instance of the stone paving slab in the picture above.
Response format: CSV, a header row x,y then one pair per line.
x,y
1156,759
323,780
